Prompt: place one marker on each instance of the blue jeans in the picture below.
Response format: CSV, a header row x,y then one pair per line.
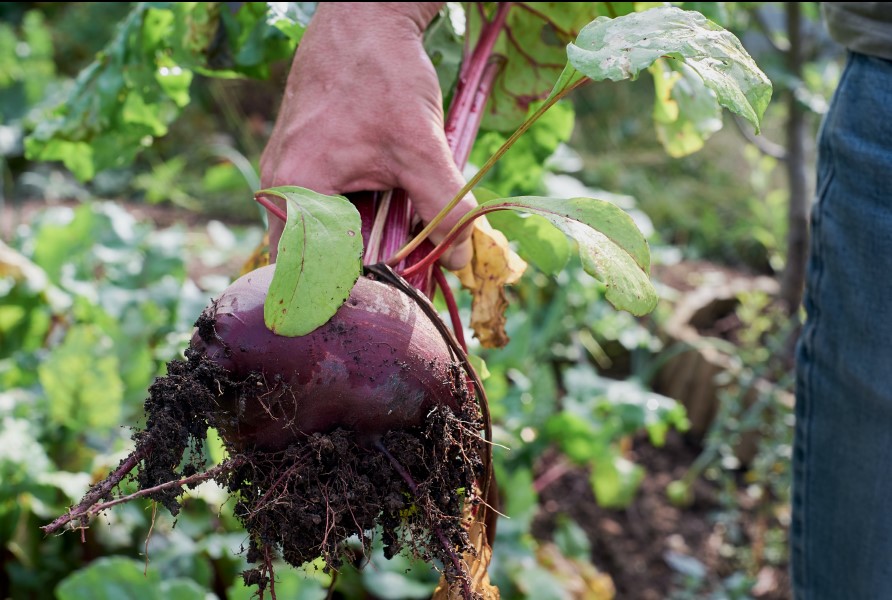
x,y
842,459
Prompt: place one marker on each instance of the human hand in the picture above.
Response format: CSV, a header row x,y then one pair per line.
x,y
363,110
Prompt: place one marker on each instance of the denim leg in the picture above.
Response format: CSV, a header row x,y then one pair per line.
x,y
842,460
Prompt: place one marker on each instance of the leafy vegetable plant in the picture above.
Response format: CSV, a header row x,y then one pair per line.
x,y
342,398
611,246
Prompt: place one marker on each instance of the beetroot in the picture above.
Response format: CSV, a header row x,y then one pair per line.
x,y
379,364
367,420
366,424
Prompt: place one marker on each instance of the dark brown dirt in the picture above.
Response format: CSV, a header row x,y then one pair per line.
x,y
636,545
305,501
179,410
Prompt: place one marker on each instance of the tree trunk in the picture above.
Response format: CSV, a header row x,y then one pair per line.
x,y
793,278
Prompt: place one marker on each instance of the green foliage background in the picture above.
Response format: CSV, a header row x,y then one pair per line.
x,y
95,301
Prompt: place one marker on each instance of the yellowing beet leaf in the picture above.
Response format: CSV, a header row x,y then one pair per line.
x,y
493,266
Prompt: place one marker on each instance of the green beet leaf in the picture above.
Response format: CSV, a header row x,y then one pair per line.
x,y
621,48
685,111
320,259
537,240
117,578
534,46
612,248
81,380
139,83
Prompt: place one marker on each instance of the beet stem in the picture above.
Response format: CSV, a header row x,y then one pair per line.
x,y
479,175
462,124
271,207
465,141
398,225
452,306
460,110
447,547
440,248
373,248
459,123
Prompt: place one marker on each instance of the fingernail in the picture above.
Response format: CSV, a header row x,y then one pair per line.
x,y
458,256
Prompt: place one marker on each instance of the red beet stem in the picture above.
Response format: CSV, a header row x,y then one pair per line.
x,y
469,79
366,204
465,115
465,141
271,207
396,228
438,251
452,306
459,125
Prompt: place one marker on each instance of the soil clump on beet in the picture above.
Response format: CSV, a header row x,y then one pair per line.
x,y
305,500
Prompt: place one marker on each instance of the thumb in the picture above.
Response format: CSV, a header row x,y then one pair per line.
x,y
431,188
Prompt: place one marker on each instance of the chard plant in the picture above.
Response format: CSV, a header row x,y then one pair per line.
x,y
676,44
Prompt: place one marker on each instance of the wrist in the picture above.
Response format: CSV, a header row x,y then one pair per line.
x,y
416,15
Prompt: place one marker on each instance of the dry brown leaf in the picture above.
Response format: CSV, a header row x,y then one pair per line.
x,y
493,266
259,257
477,569
580,578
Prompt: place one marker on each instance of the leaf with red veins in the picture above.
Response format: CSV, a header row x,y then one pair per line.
x,y
534,45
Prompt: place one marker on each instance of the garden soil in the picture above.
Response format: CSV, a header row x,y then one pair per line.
x,y
647,547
